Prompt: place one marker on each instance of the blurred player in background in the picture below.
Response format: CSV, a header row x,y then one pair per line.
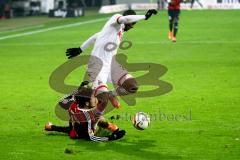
x,y
102,66
193,1
173,17
161,4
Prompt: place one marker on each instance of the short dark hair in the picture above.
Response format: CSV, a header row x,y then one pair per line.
x,y
129,12
82,96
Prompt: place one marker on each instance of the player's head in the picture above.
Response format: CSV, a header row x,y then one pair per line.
x,y
84,97
130,25
129,12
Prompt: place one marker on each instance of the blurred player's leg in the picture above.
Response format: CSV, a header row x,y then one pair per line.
x,y
192,3
200,4
175,29
171,19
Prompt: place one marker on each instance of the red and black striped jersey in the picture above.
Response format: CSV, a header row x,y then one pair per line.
x,y
86,120
174,5
77,115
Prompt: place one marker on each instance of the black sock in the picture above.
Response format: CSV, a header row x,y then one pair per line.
x,y
61,129
175,29
170,26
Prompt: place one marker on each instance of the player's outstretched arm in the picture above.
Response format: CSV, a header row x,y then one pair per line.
x,y
89,41
134,18
73,52
130,19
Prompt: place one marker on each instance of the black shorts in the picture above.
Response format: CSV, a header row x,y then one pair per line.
x,y
82,130
173,15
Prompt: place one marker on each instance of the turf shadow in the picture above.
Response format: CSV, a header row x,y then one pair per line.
x,y
137,149
56,134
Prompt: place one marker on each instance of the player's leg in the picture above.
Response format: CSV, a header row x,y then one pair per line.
x,y
107,125
192,3
170,19
128,86
64,129
116,132
95,71
200,4
98,74
102,102
124,82
101,92
103,95
175,29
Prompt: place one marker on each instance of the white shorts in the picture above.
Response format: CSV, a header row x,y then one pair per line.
x,y
101,74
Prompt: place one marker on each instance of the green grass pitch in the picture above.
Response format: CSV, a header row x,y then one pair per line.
x,y
203,68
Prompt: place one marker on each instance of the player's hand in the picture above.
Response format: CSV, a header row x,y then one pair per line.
x,y
73,52
118,134
150,13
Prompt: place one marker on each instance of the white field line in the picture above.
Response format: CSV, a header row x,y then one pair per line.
x,y
51,28
149,42
21,29
40,44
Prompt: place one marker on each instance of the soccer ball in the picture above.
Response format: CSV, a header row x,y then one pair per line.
x,y
141,121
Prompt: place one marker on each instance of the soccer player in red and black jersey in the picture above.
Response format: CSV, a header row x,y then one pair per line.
x,y
173,14
82,108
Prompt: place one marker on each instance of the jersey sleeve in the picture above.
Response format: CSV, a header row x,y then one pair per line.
x,y
120,19
91,132
129,19
114,19
97,138
89,41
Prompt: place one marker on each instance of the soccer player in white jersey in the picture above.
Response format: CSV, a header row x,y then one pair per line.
x,y
102,66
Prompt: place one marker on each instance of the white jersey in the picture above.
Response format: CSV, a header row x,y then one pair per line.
x,y
102,66
108,40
